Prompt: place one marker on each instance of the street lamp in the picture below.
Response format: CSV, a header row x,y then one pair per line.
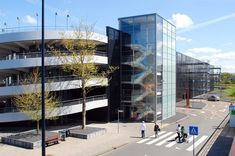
x,y
5,23
193,88
37,20
67,21
55,19
18,19
119,111
43,123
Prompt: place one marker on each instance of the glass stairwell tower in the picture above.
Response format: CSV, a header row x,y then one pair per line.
x,y
148,67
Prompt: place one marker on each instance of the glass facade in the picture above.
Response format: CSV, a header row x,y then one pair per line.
x,y
193,77
147,67
169,70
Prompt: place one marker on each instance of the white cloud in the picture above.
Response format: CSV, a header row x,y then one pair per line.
x,y
225,55
204,50
209,22
190,54
180,38
30,20
216,57
181,20
228,68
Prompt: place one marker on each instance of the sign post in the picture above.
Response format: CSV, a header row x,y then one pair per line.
x,y
119,111
232,115
193,130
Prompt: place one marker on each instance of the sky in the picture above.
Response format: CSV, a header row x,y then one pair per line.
x,y
205,28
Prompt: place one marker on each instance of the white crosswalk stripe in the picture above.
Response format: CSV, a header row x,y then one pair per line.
x,y
198,142
159,138
191,138
171,144
167,139
174,142
164,138
160,133
143,140
147,139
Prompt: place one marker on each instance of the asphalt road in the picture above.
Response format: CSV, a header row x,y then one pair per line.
x,y
207,119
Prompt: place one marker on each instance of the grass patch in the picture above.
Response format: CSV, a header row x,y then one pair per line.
x,y
229,92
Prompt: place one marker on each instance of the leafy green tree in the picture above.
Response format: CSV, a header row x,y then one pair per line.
x,y
30,102
226,78
79,60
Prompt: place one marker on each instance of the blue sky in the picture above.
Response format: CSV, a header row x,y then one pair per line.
x,y
205,28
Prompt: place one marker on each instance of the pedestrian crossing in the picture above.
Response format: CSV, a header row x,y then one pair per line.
x,y
167,139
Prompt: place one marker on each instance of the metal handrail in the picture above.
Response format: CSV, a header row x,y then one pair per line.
x,y
61,103
5,30
47,80
38,54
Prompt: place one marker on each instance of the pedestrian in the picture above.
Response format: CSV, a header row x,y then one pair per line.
x,y
182,130
178,129
156,129
143,129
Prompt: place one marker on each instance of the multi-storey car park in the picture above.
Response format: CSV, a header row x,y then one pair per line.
x,y
150,79
20,53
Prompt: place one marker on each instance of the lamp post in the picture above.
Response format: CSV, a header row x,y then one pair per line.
x,y
119,111
18,20
193,88
5,23
43,87
37,20
67,21
55,19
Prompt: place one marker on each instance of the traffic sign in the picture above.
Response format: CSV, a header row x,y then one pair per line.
x,y
193,130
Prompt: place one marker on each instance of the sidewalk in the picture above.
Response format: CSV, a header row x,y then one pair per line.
x,y
128,132
223,143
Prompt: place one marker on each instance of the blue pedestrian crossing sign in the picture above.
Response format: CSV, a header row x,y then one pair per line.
x,y
193,130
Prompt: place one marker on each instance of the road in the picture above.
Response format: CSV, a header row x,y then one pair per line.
x,y
207,119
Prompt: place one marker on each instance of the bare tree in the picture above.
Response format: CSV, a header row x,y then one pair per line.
x,y
30,102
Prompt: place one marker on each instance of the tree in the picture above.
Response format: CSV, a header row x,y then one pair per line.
x,y
30,102
226,78
79,60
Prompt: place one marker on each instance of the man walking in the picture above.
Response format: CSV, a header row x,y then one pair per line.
x,y
178,130
143,129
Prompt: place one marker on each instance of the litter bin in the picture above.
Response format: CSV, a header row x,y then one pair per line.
x,y
62,135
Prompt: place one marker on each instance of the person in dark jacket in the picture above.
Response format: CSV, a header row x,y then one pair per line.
x,y
156,129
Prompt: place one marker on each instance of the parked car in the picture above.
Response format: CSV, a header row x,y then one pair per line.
x,y
213,98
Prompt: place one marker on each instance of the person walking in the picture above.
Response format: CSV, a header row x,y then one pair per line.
x,y
156,129
178,130
182,131
143,129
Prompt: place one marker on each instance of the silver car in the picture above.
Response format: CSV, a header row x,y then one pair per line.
x,y
213,98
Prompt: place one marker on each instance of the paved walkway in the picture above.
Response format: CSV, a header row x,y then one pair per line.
x,y
128,132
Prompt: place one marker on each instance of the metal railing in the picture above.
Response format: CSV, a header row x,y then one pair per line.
x,y
38,54
61,104
6,29
47,80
